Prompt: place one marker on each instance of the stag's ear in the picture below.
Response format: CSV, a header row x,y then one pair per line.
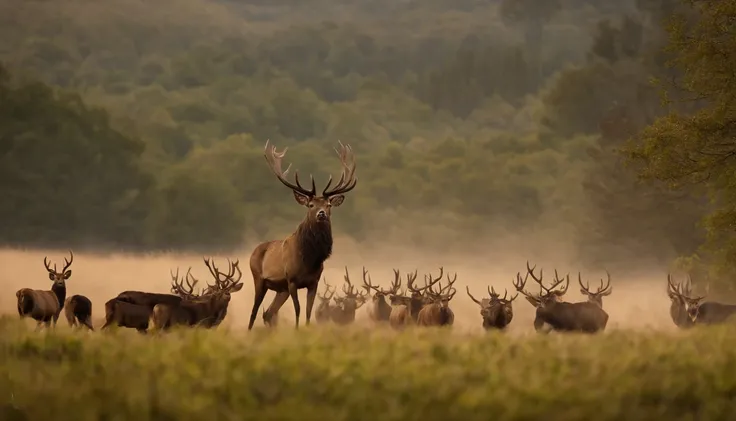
x,y
300,198
68,274
237,288
337,200
52,277
584,292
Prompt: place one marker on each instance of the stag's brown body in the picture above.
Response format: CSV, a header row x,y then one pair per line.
x,y
343,313
296,262
125,314
438,312
552,313
400,316
45,306
78,311
148,299
323,313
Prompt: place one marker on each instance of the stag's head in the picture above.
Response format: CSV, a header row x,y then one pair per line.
x,y
352,299
494,302
324,299
682,296
380,294
225,283
422,295
319,206
59,278
445,294
546,295
595,297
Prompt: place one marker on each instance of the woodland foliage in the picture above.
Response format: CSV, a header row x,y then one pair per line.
x,y
135,126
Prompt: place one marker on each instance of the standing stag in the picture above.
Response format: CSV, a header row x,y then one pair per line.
x,y
585,317
199,310
297,262
596,297
45,306
380,309
438,312
78,311
346,306
323,313
709,312
496,312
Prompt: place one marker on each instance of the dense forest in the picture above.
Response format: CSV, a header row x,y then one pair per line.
x,y
137,125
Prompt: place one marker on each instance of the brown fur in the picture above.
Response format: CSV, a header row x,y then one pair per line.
x,y
380,310
400,317
496,312
435,314
125,314
297,262
46,306
78,311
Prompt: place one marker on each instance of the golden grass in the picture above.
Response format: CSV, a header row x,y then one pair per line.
x,y
325,373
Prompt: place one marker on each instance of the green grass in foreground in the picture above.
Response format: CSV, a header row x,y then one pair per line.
x,y
331,374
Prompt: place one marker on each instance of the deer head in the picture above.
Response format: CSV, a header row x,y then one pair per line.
x,y
494,300
595,297
682,296
59,278
381,294
445,294
324,299
352,300
225,283
546,295
319,207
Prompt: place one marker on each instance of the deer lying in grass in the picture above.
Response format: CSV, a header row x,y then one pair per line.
x,y
199,310
380,310
438,312
496,312
133,309
78,311
585,317
45,306
323,313
707,313
297,261
344,311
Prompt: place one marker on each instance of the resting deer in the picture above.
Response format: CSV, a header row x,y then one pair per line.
x,y
707,313
45,306
438,312
380,309
323,313
346,306
585,317
199,310
78,311
297,262
496,312
133,309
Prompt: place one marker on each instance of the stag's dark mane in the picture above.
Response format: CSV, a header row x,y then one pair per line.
x,y
314,240
60,292
497,316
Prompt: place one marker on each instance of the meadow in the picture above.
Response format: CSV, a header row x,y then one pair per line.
x,y
365,374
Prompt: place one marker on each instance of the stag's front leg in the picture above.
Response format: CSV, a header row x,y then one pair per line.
x,y
311,295
295,298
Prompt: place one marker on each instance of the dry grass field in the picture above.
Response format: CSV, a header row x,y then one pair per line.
x,y
641,368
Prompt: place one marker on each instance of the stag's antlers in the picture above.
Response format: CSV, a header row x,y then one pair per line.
x,y
177,285
603,290
346,183
227,283
67,263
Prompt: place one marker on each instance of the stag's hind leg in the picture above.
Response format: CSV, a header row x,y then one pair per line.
x,y
273,309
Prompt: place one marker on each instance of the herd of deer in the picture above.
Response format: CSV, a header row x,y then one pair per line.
x,y
297,262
